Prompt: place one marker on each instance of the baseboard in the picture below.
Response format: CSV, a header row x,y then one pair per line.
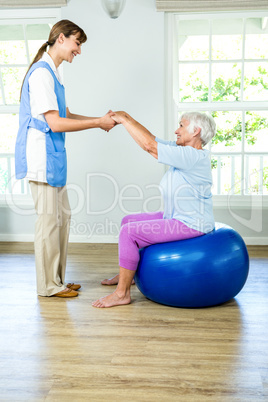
x,y
256,241
21,238
93,239
29,238
250,241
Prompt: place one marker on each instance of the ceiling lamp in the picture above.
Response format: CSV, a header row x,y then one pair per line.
x,y
113,7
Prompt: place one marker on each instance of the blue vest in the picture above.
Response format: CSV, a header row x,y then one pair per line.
x,y
56,163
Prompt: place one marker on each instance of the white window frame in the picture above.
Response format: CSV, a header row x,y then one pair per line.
x,y
23,17
172,106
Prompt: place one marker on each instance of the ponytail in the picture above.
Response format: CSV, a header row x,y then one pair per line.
x,y
38,56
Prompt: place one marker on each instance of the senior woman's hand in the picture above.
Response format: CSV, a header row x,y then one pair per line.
x,y
120,116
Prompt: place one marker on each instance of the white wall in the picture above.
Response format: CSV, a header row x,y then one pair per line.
x,y
122,66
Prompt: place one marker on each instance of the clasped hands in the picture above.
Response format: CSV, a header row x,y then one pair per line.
x,y
111,119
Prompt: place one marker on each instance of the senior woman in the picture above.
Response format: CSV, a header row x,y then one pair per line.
x,y
186,190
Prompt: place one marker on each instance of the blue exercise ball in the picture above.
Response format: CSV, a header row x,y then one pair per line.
x,y
199,272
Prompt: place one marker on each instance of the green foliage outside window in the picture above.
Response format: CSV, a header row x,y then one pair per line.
x,y
224,89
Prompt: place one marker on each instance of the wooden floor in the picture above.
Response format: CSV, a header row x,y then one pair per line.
x,y
55,349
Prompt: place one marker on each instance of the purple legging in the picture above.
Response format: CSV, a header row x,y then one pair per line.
x,y
141,230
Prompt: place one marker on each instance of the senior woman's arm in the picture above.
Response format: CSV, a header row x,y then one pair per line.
x,y
139,133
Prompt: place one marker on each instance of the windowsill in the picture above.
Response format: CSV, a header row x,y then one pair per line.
x,y
219,201
242,202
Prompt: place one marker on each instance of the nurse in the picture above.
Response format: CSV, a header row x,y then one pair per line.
x,y
40,154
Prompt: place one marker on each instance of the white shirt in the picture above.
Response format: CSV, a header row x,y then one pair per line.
x,y
42,99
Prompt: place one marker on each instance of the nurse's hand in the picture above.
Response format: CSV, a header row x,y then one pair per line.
x,y
106,122
120,117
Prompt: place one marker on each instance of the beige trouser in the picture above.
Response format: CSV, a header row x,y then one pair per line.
x,y
51,236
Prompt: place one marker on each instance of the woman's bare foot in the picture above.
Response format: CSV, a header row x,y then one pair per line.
x,y
113,281
114,299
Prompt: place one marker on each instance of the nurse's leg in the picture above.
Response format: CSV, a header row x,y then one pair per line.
x,y
64,212
127,219
47,243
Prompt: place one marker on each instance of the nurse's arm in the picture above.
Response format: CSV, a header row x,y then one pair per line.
x,y
70,115
69,124
139,133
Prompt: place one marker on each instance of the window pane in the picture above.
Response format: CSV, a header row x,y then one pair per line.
x,y
193,82
226,82
226,47
265,175
37,35
194,43
227,43
229,132
256,46
256,43
256,81
12,79
226,174
3,175
9,124
12,45
256,131
254,174
193,48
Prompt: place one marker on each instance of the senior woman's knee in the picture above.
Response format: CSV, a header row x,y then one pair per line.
x,y
124,232
124,220
130,229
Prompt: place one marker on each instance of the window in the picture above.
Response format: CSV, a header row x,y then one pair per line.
x,y
21,35
220,65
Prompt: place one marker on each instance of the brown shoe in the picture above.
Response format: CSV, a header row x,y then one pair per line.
x,y
73,286
66,293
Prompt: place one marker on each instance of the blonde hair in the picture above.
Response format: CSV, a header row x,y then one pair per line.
x,y
66,27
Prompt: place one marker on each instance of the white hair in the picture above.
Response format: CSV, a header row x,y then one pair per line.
x,y
203,121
